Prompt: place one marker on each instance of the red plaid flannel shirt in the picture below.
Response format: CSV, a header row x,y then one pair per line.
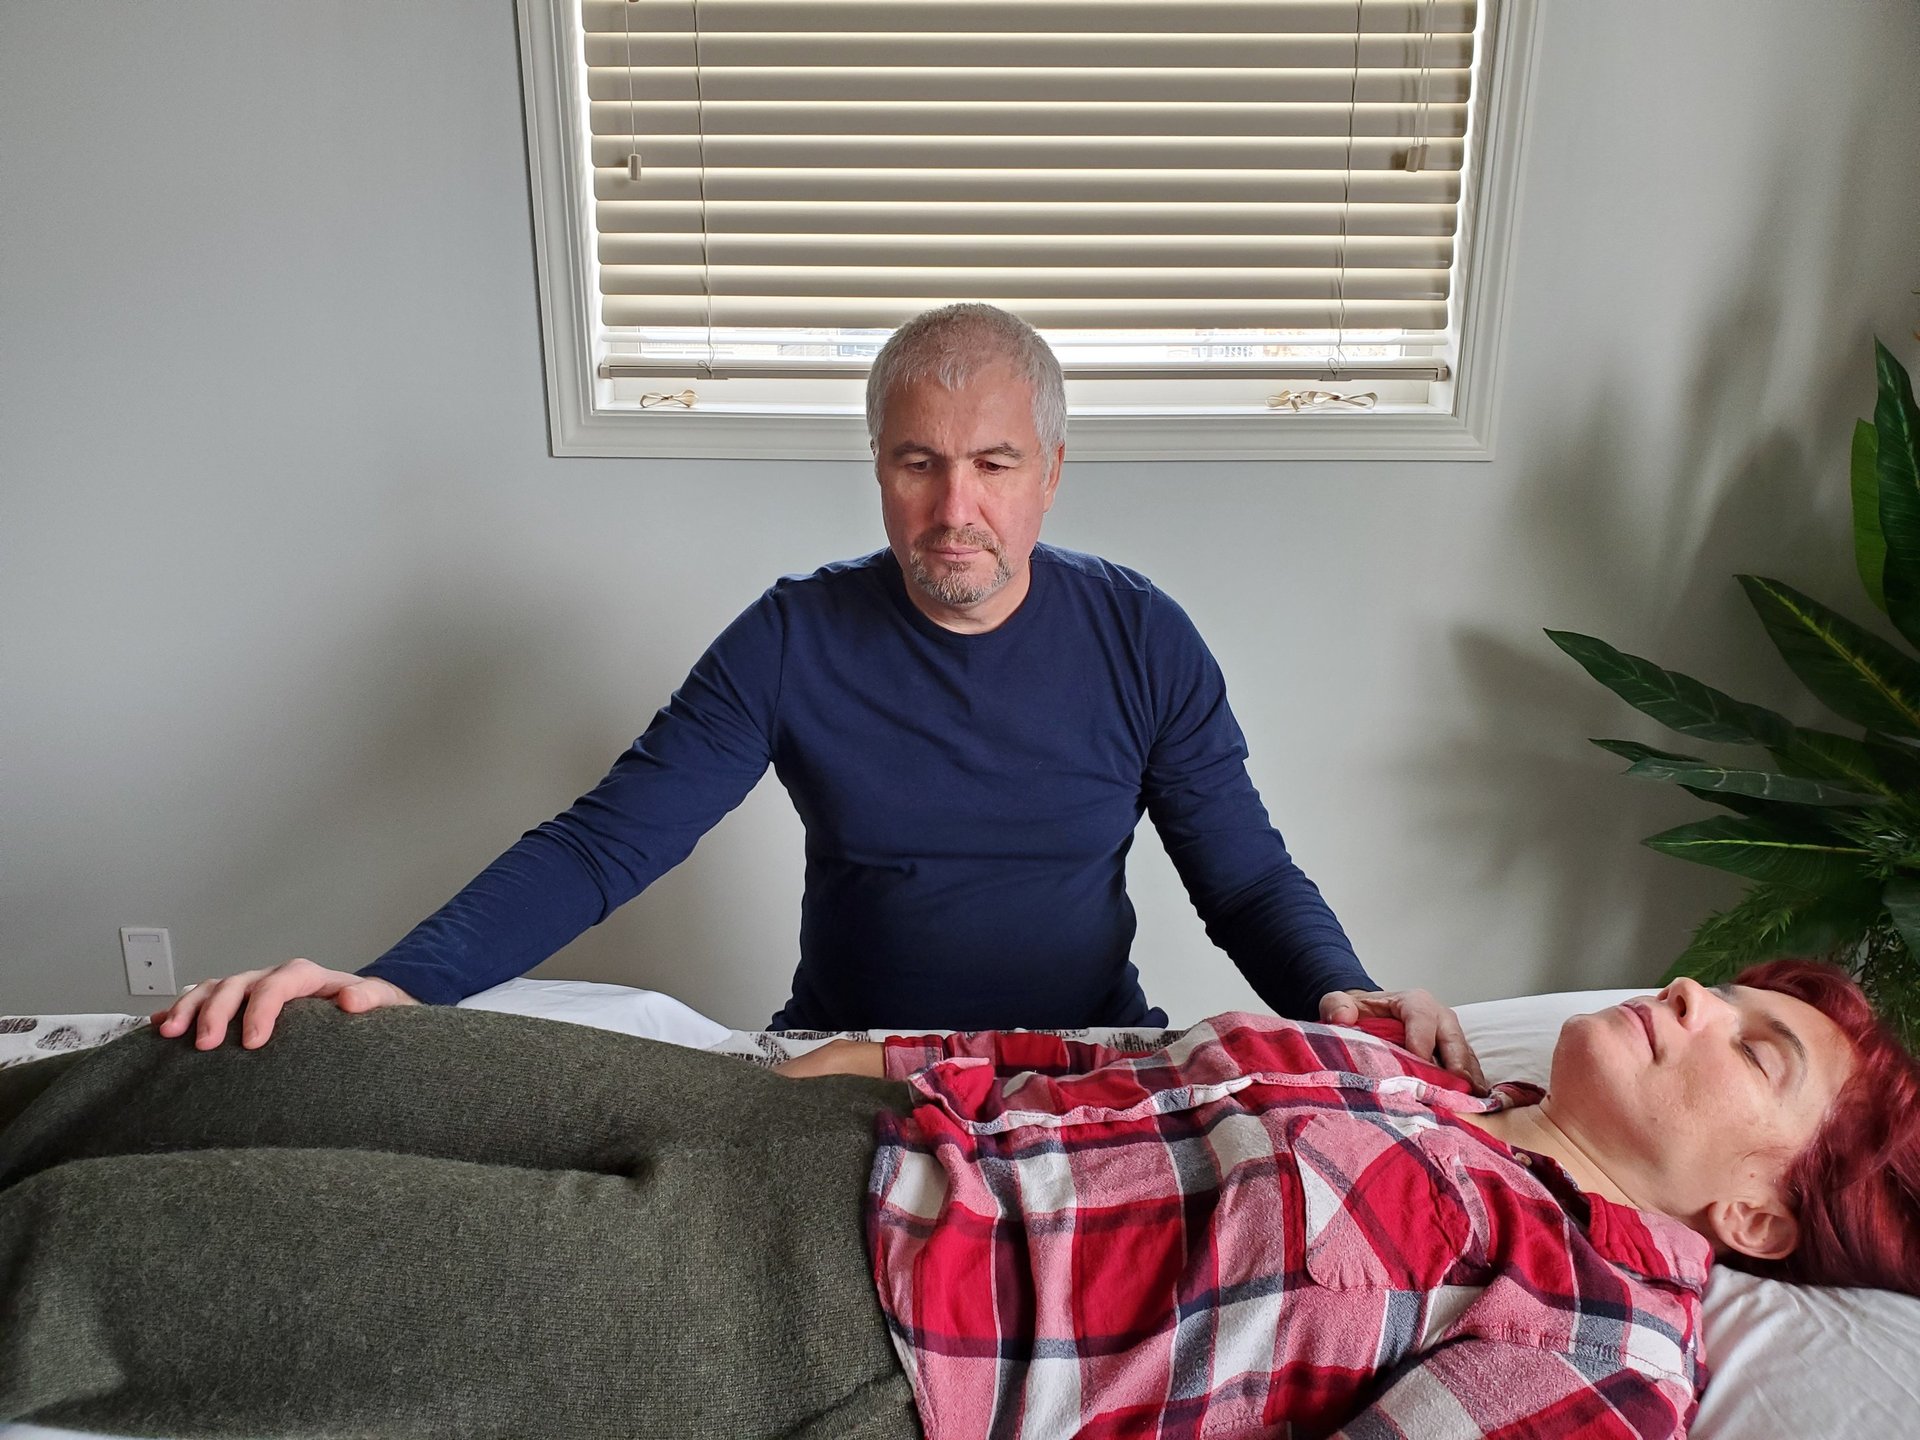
x,y
1265,1228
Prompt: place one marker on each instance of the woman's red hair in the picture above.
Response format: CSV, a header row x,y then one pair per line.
x,y
1856,1189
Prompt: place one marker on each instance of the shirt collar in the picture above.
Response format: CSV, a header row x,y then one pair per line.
x,y
1653,1246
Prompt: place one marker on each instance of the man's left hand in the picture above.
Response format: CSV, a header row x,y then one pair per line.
x,y
1433,1030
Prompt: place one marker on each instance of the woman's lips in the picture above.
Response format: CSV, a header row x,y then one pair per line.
x,y
1639,1013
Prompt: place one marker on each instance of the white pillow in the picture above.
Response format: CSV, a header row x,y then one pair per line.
x,y
1514,1038
606,1007
1801,1360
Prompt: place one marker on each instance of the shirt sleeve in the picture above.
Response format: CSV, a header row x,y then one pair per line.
x,y
1012,1052
698,759
1473,1387
1256,903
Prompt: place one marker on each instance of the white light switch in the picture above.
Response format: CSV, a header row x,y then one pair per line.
x,y
149,957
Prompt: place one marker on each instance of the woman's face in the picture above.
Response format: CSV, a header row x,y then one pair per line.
x,y
1696,1096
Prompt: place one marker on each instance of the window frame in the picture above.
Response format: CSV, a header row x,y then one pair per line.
x,y
1458,424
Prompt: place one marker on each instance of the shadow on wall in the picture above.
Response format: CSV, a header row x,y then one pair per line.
x,y
434,733
480,724
1745,492
720,932
472,724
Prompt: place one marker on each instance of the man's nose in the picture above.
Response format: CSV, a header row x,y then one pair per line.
x,y
958,502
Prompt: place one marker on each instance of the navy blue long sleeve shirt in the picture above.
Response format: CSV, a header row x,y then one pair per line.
x,y
968,801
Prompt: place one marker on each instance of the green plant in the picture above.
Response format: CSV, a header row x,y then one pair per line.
x,y
1830,839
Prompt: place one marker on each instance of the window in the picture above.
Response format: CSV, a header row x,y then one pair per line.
x,y
1249,228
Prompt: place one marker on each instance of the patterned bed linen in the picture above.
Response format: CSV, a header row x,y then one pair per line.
x,y
31,1037
771,1047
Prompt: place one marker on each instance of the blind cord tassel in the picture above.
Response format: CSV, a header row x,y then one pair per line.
x,y
1296,401
686,399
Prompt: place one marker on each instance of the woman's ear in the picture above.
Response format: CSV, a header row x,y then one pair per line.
x,y
1763,1229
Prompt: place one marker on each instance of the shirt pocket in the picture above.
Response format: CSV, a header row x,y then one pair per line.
x,y
1377,1211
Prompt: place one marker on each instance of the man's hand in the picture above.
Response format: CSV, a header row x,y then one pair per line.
x,y
209,1005
1433,1030
837,1057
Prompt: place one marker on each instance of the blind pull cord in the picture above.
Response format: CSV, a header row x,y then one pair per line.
x,y
633,126
1417,152
700,125
1338,363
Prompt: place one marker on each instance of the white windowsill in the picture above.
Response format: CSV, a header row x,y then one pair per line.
x,y
771,435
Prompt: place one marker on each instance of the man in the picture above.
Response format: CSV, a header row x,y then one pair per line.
x,y
567,1232
970,725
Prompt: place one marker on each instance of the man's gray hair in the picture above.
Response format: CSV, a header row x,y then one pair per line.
x,y
953,344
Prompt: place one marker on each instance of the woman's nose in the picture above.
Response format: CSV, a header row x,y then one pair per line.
x,y
1693,1004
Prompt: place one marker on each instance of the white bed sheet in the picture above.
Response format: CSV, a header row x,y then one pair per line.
x,y
1787,1361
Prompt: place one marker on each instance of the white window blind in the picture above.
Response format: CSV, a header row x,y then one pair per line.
x,y
1162,187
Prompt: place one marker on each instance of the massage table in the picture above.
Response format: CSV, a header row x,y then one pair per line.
x,y
1787,1361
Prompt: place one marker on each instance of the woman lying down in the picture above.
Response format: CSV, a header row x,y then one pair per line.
x,y
423,1222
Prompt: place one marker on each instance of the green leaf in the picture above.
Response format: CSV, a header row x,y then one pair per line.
x,y
1852,670
1726,942
1830,923
1877,769
1890,974
1899,764
1675,700
1772,921
1822,755
1760,851
1791,817
1896,423
1869,544
1901,896
1634,751
1787,817
1761,784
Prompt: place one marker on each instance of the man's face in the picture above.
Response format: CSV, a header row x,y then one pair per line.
x,y
1694,1096
963,486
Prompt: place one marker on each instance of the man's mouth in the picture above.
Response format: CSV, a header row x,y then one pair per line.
x,y
956,552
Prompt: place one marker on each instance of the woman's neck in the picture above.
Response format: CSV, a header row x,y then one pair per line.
x,y
1532,1127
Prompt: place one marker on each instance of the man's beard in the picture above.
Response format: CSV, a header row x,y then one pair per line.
x,y
954,587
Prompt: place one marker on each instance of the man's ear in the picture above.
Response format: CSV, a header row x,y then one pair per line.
x,y
1053,480
1763,1229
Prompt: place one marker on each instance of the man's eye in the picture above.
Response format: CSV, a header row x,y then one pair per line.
x,y
1753,1057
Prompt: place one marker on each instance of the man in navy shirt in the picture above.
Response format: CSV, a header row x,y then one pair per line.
x,y
970,725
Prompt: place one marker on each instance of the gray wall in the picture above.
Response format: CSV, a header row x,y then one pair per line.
x,y
303,625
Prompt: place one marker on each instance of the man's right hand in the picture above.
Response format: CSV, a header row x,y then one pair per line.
x,y
208,1006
